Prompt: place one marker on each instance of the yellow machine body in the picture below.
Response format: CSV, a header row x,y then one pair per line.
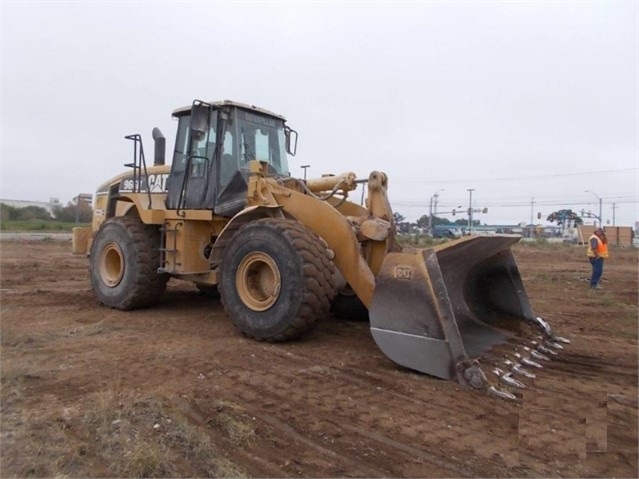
x,y
436,310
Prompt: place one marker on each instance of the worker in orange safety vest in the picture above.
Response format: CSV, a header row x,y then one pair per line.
x,y
597,253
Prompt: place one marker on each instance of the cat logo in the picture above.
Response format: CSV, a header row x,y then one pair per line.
x,y
403,272
156,184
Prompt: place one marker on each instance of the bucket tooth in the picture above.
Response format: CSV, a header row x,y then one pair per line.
x,y
546,330
493,391
553,345
547,351
543,348
527,361
543,326
507,379
517,369
537,355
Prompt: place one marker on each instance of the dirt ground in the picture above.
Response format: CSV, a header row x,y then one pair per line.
x,y
175,390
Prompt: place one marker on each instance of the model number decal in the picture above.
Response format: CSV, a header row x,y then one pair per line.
x,y
156,184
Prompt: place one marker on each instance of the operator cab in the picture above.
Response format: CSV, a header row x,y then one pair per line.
x,y
215,143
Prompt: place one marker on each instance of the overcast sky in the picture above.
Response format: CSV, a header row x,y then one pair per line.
x,y
516,100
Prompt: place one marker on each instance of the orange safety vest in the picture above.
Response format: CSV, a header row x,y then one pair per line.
x,y
602,248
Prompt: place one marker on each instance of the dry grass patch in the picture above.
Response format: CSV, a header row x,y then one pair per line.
x,y
144,437
233,423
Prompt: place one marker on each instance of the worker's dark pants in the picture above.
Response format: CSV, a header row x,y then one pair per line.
x,y
597,271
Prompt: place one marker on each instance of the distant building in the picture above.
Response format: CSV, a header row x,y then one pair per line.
x,y
83,198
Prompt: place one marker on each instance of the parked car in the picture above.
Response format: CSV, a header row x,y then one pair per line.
x,y
446,232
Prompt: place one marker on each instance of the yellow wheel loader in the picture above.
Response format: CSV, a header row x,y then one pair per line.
x,y
280,251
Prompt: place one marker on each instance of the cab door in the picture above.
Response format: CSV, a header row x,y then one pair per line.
x,y
192,180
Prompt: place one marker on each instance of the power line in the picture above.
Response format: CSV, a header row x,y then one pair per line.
x,y
511,178
515,204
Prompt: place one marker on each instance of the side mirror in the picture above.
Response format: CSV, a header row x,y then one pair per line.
x,y
291,140
200,114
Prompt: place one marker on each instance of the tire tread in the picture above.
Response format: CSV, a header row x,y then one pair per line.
x,y
317,271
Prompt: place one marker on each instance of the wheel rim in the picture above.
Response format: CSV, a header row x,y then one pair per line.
x,y
111,265
258,281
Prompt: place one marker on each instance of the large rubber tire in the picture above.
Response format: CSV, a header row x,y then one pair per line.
x,y
125,256
276,279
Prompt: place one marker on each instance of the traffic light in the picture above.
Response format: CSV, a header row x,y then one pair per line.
x,y
539,215
454,212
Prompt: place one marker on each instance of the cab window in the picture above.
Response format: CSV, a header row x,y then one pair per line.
x,y
202,148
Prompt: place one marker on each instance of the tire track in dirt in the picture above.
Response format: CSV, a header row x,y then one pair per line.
x,y
348,401
353,382
261,392
317,429
558,396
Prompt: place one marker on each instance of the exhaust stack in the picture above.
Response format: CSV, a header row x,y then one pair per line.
x,y
160,147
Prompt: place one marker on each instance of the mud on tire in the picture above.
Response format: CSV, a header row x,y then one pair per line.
x,y
276,279
124,260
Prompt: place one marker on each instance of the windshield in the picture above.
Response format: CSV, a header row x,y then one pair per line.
x,y
261,138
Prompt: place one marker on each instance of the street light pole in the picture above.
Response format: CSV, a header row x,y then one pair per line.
x,y
530,226
305,166
433,201
600,209
470,210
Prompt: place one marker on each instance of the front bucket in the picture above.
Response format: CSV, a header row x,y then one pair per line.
x,y
436,310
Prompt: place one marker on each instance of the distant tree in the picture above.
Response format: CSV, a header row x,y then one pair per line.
x,y
33,213
437,221
463,222
562,217
422,221
8,212
403,227
398,217
72,213
24,213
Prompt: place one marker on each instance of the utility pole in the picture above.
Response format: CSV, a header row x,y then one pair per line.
x,y
601,225
470,210
430,216
614,207
305,166
600,209
532,205
433,207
